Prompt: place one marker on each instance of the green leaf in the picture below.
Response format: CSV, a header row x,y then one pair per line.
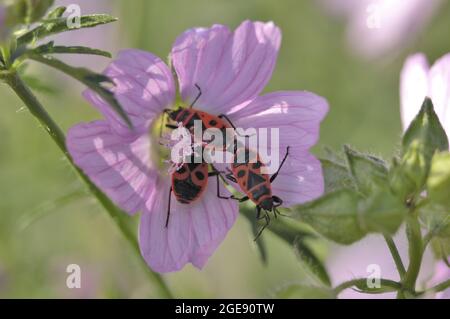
x,y
441,247
50,48
333,156
407,177
436,219
302,239
305,292
364,288
260,244
438,183
58,25
369,172
336,176
56,13
335,216
305,253
94,81
382,212
426,129
298,236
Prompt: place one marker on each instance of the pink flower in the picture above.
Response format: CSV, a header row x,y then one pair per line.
x,y
377,27
232,68
418,80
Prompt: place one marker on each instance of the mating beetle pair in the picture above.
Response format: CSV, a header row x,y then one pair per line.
x,y
191,179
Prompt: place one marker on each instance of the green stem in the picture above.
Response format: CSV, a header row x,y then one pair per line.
x,y
395,255
363,281
38,111
441,287
415,252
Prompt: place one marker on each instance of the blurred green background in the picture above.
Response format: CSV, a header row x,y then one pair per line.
x,y
73,229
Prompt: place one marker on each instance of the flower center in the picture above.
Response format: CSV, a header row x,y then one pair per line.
x,y
170,146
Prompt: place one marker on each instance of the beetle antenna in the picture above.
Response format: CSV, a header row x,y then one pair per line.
x,y
198,95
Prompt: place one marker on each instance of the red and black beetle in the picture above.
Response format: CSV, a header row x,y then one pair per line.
x,y
256,185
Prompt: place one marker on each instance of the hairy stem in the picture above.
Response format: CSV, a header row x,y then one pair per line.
x,y
415,252
363,281
120,219
395,255
441,287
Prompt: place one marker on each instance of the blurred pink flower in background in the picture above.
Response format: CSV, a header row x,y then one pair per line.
x,y
378,27
232,69
351,262
418,80
442,273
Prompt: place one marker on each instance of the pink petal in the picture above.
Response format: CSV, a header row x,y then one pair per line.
x,y
440,90
230,68
194,231
413,87
297,115
143,86
377,27
300,179
120,167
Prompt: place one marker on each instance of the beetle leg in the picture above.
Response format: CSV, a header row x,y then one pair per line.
x,y
281,165
198,95
240,200
168,207
230,176
266,217
221,116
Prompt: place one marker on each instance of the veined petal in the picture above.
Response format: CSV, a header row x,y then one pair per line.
x,y
230,68
413,87
194,231
297,115
300,179
144,86
120,167
439,78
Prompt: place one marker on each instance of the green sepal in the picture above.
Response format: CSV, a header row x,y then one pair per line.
x,y
369,172
59,25
334,215
438,183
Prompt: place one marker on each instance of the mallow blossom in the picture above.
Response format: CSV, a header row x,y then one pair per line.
x,y
419,80
232,68
379,27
